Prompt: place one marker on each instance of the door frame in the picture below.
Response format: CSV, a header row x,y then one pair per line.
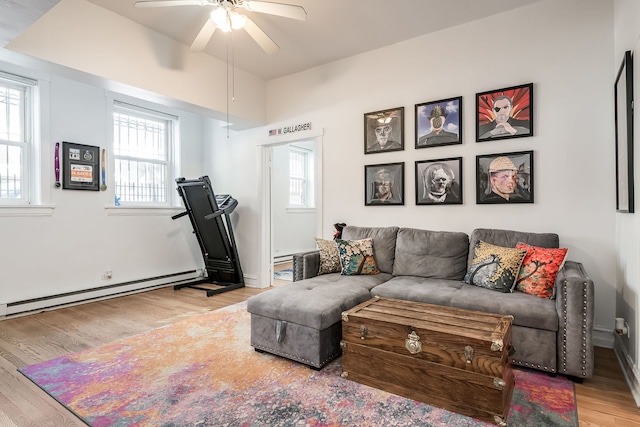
x,y
264,192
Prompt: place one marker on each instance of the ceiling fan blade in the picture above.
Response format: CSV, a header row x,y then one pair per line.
x,y
168,3
280,9
261,37
203,37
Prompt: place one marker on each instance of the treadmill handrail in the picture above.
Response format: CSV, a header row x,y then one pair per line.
x,y
180,215
214,215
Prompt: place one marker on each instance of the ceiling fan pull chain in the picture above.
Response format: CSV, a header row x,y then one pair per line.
x,y
233,71
228,35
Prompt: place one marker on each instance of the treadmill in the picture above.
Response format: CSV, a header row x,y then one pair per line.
x,y
209,215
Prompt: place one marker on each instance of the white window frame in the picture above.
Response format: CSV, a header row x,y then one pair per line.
x,y
306,177
172,132
29,177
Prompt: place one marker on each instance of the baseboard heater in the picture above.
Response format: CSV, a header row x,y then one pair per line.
x,y
50,302
281,259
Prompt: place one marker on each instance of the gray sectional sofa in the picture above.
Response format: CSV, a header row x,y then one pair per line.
x,y
302,320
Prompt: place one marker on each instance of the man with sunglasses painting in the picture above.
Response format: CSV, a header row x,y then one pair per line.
x,y
504,127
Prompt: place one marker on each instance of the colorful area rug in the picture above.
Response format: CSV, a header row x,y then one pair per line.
x,y
283,275
203,372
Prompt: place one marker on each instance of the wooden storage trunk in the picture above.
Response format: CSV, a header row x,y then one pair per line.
x,y
448,357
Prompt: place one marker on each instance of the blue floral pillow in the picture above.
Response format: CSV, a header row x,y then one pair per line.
x,y
356,257
494,267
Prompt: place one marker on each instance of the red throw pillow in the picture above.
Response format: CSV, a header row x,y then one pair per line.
x,y
537,275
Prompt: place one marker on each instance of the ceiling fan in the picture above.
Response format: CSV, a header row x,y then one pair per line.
x,y
226,17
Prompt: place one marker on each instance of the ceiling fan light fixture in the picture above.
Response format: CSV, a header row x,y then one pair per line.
x,y
237,21
225,18
226,27
219,17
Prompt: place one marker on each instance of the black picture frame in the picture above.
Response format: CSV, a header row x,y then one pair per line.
x,y
438,123
384,184
493,125
384,131
624,135
80,167
494,185
439,181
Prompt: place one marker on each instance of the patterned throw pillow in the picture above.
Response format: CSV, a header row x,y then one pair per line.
x,y
539,270
356,257
494,267
329,259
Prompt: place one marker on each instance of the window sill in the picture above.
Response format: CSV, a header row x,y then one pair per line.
x,y
142,210
300,210
26,210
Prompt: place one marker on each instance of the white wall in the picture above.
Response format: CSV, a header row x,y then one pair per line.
x,y
627,37
69,249
564,47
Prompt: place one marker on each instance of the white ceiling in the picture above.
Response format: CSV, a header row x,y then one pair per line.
x,y
334,29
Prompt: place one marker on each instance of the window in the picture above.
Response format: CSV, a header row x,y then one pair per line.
x,y
143,143
301,178
16,138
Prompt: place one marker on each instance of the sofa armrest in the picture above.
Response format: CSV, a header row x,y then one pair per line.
x,y
306,265
575,306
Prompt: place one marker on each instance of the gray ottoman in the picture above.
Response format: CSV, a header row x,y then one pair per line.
x,y
302,320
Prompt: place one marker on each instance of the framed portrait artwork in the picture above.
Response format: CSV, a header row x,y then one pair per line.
x,y
439,123
81,166
624,135
384,184
504,113
384,131
504,178
439,182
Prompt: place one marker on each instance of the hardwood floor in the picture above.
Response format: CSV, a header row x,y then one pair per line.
x,y
603,401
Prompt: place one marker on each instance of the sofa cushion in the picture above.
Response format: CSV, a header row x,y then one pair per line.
x,y
494,267
436,254
420,289
538,313
530,312
356,257
510,239
317,302
384,243
539,268
329,258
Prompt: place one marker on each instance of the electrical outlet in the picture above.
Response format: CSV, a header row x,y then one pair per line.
x,y
107,275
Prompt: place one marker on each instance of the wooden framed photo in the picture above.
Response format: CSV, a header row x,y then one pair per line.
x,y
504,113
384,131
624,135
439,182
81,167
504,178
439,123
384,184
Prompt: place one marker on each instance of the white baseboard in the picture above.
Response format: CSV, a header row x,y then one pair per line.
x,y
603,337
251,281
629,369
